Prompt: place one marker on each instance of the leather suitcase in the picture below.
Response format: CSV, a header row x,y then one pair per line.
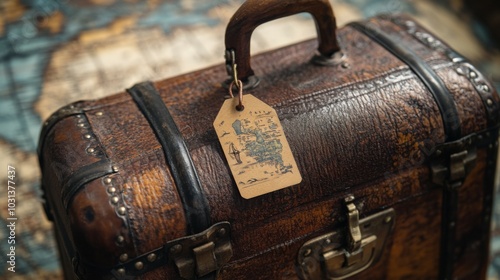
x,y
394,135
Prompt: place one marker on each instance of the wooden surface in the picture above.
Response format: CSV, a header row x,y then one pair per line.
x,y
58,52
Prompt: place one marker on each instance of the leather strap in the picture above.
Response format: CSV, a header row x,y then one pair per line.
x,y
82,176
431,80
452,127
177,155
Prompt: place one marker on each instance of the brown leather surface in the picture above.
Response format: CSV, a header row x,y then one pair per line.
x,y
363,128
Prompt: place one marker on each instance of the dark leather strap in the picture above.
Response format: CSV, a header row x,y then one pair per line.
x,y
177,155
431,80
82,176
452,128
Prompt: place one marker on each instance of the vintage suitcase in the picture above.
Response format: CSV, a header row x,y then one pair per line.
x,y
394,135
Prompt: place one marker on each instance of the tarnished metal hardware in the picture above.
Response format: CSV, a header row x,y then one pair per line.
x,y
354,236
452,162
203,253
328,257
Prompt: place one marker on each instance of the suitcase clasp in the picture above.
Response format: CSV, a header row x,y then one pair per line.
x,y
203,253
338,256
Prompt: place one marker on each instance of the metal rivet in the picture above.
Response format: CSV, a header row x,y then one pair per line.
x,y
88,136
91,150
489,102
460,71
120,239
108,180
222,232
486,88
98,114
430,39
123,257
71,106
151,257
115,199
176,249
438,152
115,168
111,189
307,252
345,65
121,271
139,265
122,210
81,124
473,74
328,241
388,219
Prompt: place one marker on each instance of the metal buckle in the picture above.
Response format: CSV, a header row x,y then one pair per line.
x,y
451,162
328,257
200,254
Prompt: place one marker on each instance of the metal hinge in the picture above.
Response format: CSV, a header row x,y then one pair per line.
x,y
203,253
452,162
329,257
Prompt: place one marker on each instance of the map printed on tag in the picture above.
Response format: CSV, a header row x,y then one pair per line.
x,y
255,147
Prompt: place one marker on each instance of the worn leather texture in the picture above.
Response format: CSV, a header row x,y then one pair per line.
x,y
365,127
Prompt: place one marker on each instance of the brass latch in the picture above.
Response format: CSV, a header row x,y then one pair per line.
x,y
338,256
451,162
203,253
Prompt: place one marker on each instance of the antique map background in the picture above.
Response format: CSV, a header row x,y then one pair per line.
x,y
53,52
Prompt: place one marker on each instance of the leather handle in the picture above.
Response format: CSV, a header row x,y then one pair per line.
x,y
253,13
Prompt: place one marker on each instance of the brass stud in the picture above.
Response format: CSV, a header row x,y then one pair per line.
x,y
115,168
486,88
111,190
98,114
88,136
489,102
460,71
122,210
222,232
91,150
388,219
176,249
123,257
473,74
81,125
151,257
108,180
115,199
120,239
139,265
121,271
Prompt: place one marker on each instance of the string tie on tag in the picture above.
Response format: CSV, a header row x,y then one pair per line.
x,y
239,85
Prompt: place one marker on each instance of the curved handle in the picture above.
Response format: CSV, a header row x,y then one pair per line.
x,y
253,13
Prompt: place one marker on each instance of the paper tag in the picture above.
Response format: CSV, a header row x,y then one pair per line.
x,y
255,147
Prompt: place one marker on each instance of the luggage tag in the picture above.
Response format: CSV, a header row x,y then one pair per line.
x,y
255,145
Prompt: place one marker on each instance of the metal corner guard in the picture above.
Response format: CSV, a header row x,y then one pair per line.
x,y
328,257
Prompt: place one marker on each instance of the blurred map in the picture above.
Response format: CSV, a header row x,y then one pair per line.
x,y
53,52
